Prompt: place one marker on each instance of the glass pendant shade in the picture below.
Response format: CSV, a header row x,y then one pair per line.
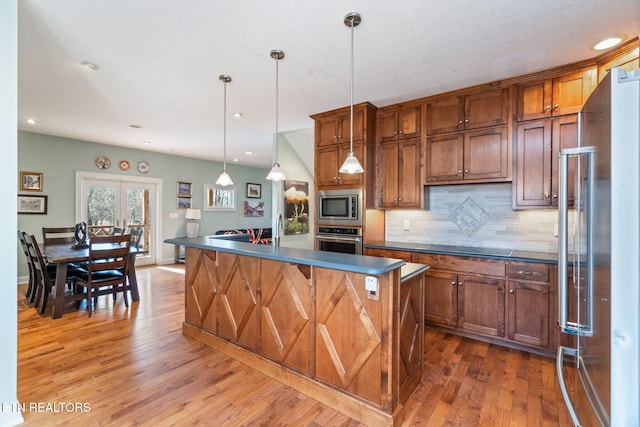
x,y
351,164
224,179
276,173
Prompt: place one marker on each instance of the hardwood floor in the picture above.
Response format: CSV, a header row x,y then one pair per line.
x,y
132,367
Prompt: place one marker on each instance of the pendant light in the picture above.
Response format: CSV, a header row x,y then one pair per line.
x,y
224,179
351,164
276,173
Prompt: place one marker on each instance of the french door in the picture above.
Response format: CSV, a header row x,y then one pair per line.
x,y
112,201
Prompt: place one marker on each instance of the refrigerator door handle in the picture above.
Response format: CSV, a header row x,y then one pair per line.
x,y
584,329
563,386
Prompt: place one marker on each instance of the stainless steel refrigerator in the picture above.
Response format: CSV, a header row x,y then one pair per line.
x,y
598,258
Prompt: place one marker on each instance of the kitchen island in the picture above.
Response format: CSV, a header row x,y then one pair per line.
x,y
347,330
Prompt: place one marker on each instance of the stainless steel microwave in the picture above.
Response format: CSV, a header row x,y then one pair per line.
x,y
339,207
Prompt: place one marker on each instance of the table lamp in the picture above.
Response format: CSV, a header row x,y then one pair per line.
x,y
192,226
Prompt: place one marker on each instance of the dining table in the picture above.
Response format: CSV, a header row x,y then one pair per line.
x,y
64,254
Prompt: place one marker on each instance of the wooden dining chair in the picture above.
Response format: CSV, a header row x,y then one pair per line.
x,y
32,280
136,236
107,268
58,235
45,274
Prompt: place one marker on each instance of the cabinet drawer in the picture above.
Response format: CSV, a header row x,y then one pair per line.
x,y
483,266
528,271
388,253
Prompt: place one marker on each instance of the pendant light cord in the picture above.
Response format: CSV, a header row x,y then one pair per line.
x,y
351,94
224,127
277,91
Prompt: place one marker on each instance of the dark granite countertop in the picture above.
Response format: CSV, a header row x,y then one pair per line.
x,y
337,261
496,253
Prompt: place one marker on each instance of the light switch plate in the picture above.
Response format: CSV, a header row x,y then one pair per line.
x,y
173,215
371,284
406,225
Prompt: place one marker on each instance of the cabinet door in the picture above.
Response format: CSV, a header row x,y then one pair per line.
x,y
534,100
564,134
388,124
409,184
444,157
409,120
388,174
486,154
344,126
528,313
326,131
481,305
445,115
326,173
343,152
489,108
570,91
441,298
533,164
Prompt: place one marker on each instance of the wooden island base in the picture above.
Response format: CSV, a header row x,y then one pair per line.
x,y
311,324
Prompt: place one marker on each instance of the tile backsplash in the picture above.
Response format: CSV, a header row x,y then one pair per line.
x,y
475,215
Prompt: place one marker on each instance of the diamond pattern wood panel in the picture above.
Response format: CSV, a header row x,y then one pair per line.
x,y
287,313
411,336
348,333
201,289
238,317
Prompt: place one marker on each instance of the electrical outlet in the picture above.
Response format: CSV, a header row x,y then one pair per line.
x,y
406,225
173,215
371,286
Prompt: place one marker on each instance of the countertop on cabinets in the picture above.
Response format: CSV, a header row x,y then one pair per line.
x,y
332,260
479,252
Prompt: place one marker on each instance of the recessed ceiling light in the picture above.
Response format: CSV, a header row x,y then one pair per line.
x,y
607,43
235,160
248,153
146,142
89,65
32,121
236,115
135,126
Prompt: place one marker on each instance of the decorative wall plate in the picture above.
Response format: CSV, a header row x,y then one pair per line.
x,y
143,167
103,162
124,165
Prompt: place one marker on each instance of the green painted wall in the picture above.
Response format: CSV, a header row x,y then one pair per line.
x,y
60,158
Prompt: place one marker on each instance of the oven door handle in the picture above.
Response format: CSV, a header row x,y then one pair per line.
x,y
339,238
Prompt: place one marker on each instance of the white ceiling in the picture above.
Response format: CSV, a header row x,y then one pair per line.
x,y
159,61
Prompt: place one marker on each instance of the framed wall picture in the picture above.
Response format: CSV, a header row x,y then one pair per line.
x,y
183,188
254,191
253,208
296,201
183,202
218,198
31,181
28,204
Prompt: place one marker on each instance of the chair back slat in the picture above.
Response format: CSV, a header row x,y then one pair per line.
x,y
136,236
58,235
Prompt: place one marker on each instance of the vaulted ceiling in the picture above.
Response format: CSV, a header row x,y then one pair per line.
x,y
159,60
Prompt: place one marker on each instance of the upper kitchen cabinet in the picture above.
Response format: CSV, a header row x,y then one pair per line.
x,y
399,180
561,95
399,122
336,128
537,147
332,134
471,111
468,157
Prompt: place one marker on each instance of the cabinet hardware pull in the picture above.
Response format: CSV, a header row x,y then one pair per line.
x,y
546,195
466,120
460,171
527,273
555,196
511,291
459,283
460,122
400,199
547,107
466,171
454,283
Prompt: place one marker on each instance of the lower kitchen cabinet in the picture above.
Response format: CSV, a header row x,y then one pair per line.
x,y
529,304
